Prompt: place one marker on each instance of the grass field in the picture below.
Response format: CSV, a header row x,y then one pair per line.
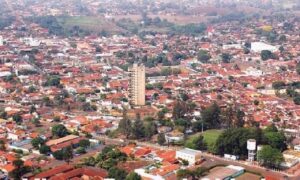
x,y
95,24
211,136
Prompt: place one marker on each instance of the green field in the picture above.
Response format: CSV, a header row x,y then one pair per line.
x,y
211,136
95,24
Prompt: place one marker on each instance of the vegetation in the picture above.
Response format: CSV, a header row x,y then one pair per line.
x,y
107,159
266,55
20,169
211,116
270,157
191,174
133,176
203,56
298,68
59,131
6,21
196,142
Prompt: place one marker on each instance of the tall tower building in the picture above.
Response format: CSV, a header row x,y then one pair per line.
x,y
137,85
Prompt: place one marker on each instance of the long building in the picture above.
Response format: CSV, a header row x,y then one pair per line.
x,y
137,85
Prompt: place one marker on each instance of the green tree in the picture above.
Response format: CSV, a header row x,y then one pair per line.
x,y
203,56
37,142
80,150
226,57
196,143
179,110
234,141
278,85
44,149
2,145
58,155
150,129
84,143
211,116
270,157
125,125
67,153
138,129
274,138
161,139
266,55
117,174
19,170
298,68
17,118
184,174
59,131
297,100
133,176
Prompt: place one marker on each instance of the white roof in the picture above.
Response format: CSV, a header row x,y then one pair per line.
x,y
189,151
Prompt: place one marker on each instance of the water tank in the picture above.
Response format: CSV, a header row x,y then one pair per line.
x,y
251,144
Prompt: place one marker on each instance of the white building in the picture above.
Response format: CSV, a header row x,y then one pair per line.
x,y
190,155
253,72
174,137
1,41
232,46
260,46
31,42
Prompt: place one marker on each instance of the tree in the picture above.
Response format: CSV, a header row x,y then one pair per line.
x,y
234,141
84,143
36,122
3,114
211,116
2,145
266,55
44,149
274,138
179,110
183,174
203,56
193,174
17,118
59,131
116,173
125,125
133,176
67,153
58,155
138,129
80,150
161,139
297,100
226,58
270,157
232,117
196,143
32,109
19,170
298,68
37,142
150,129
278,85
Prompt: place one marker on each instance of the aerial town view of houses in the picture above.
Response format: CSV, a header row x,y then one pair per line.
x,y
150,89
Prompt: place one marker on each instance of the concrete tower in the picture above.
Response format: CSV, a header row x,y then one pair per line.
x,y
137,85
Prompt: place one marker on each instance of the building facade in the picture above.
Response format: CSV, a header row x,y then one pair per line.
x,y
137,85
